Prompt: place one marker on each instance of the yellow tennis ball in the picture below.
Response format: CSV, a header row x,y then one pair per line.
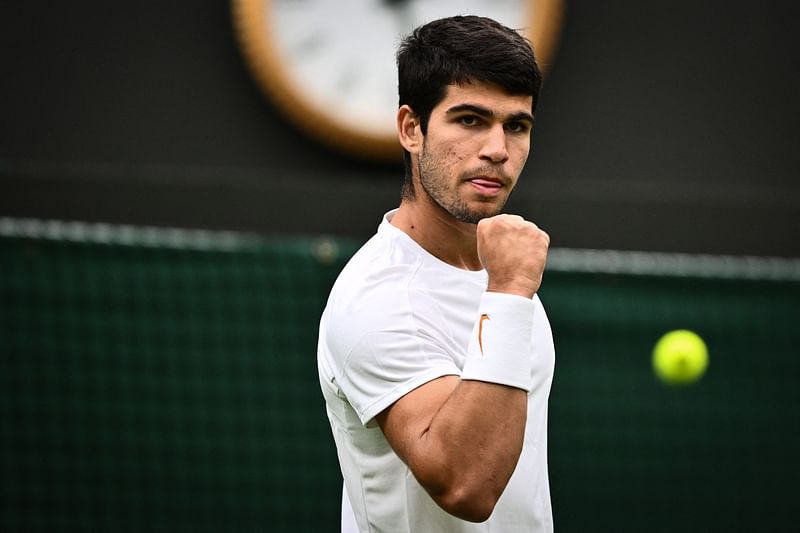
x,y
680,357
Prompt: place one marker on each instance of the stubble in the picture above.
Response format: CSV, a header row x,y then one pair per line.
x,y
435,178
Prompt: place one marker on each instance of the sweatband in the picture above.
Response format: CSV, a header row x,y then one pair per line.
x,y
501,347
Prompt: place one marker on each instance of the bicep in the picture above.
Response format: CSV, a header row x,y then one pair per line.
x,y
406,421
439,428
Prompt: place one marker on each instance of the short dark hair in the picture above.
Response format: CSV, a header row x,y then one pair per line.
x,y
459,50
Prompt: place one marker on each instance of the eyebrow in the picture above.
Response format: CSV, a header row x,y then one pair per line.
x,y
488,113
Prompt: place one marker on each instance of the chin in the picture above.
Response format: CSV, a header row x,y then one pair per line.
x,y
473,216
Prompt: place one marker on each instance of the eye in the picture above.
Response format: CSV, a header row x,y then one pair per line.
x,y
517,127
468,120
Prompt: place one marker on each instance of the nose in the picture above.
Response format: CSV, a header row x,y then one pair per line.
x,y
494,147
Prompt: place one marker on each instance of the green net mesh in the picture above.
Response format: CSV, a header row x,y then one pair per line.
x,y
159,380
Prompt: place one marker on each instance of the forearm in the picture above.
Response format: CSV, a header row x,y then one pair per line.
x,y
468,450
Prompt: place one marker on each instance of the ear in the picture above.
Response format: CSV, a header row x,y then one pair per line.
x,y
408,130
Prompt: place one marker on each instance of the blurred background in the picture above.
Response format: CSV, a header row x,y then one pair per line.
x,y
168,238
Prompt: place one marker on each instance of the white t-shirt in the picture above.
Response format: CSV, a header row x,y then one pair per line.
x,y
398,317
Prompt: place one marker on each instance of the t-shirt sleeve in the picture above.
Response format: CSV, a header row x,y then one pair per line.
x,y
383,337
385,365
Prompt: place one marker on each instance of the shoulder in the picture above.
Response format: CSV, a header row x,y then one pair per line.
x,y
371,292
381,267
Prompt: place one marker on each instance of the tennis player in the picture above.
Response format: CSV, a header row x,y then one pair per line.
x,y
435,354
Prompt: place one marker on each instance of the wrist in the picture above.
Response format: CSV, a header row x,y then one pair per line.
x,y
526,290
500,349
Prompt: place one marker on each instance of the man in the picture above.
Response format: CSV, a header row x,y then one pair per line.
x,y
435,355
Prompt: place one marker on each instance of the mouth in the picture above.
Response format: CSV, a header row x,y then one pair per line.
x,y
486,186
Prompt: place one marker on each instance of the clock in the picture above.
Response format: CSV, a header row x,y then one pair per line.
x,y
330,67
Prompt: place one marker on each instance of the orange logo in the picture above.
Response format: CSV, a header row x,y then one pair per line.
x,y
480,330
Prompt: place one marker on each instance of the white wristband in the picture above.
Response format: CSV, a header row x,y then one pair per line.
x,y
501,349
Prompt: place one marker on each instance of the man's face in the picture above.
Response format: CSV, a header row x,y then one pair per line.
x,y
477,142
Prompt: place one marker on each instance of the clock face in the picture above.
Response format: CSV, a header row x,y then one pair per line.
x,y
330,65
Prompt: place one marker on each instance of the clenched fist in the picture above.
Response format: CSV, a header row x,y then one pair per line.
x,y
513,251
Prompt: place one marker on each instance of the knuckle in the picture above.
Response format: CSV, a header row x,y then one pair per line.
x,y
545,236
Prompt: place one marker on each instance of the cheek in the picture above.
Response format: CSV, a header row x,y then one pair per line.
x,y
455,155
451,155
522,155
460,151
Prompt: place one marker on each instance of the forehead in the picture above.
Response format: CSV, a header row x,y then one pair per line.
x,y
488,95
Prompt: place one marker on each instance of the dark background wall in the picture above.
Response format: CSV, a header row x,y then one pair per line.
x,y
664,125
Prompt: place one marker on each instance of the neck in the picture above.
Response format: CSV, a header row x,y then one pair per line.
x,y
438,232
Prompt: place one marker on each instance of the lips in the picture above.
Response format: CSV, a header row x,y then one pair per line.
x,y
486,186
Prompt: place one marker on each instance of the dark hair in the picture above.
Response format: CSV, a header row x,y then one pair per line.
x,y
458,50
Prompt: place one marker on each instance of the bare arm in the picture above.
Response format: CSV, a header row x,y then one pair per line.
x,y
462,438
